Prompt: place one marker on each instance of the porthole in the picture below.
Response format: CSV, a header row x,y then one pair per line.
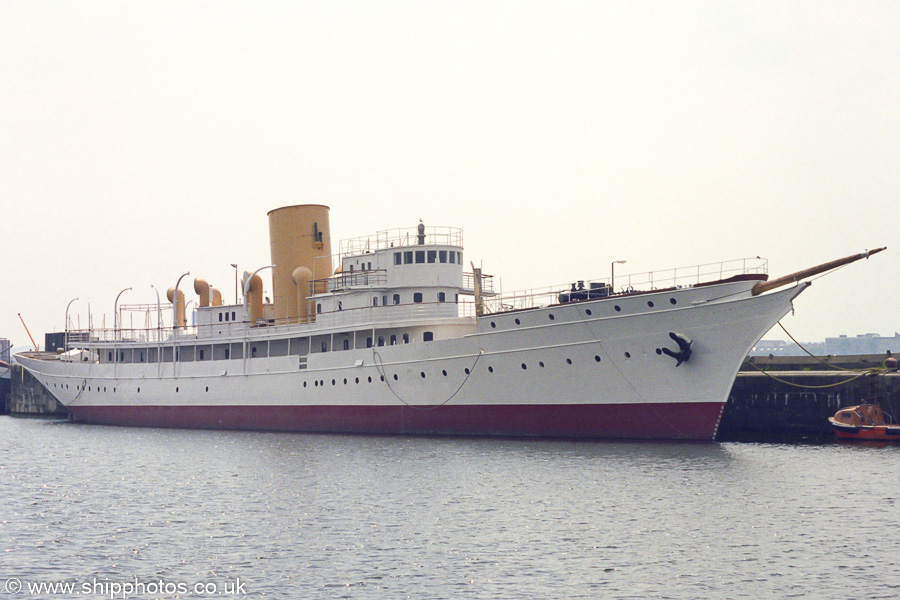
x,y
345,381
628,355
207,388
370,380
618,308
467,371
568,361
541,364
444,372
333,382
597,357
316,383
518,322
382,377
395,377
493,325
490,369
139,390
524,367
304,384
357,380
588,312
423,374
673,301
650,303
551,316
659,350
176,390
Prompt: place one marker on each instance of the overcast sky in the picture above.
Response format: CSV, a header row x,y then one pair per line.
x,y
142,140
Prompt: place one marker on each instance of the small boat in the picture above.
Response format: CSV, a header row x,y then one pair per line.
x,y
864,422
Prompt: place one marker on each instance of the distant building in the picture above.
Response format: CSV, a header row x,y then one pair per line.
x,y
782,348
869,343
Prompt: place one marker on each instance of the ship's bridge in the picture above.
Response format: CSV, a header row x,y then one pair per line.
x,y
414,273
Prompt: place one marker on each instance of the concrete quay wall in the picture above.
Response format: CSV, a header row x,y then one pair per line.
x,y
28,397
798,403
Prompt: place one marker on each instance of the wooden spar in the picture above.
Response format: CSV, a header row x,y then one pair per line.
x,y
765,286
28,332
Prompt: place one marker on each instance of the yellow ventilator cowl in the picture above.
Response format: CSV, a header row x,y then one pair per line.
x,y
179,306
201,287
302,277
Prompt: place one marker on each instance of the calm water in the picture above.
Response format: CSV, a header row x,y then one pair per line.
x,y
256,515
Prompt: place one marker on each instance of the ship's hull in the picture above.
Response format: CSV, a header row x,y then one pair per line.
x,y
685,420
593,369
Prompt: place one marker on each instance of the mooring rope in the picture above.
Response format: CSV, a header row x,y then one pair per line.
x,y
376,357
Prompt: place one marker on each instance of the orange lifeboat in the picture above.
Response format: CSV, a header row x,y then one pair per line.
x,y
864,422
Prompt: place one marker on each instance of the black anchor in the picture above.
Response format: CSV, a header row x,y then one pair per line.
x,y
684,348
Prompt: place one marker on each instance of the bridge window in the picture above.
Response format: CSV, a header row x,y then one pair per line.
x,y
432,256
420,256
407,257
398,258
452,258
442,255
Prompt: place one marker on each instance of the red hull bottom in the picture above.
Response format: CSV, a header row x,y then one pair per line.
x,y
686,421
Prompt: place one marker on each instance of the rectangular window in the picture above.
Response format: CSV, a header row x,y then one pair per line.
x,y
226,317
459,257
442,297
432,256
420,256
428,336
368,342
220,317
396,298
227,353
417,297
453,258
443,256
407,257
398,258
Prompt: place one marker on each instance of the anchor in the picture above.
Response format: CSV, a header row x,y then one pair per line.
x,y
684,348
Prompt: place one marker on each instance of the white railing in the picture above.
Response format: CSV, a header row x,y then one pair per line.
x,y
627,283
395,238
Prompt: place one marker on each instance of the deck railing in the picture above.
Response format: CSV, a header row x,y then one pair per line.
x,y
627,283
396,238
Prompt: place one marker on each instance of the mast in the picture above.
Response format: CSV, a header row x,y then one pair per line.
x,y
765,286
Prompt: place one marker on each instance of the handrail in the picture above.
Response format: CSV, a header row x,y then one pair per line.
x,y
652,280
397,238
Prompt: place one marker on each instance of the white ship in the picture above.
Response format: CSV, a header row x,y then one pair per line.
x,y
391,335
